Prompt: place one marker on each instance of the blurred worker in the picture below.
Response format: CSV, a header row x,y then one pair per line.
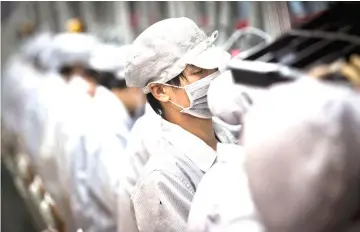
x,y
125,104
22,75
72,52
228,102
69,117
142,144
39,46
115,109
174,62
310,139
317,137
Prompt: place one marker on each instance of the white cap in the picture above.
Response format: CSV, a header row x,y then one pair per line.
x,y
37,44
303,156
69,48
110,58
163,50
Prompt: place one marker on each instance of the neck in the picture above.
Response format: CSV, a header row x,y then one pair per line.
x,y
123,97
201,128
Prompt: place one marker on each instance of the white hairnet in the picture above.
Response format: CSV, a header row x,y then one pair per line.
x,y
163,50
70,48
303,156
36,45
110,58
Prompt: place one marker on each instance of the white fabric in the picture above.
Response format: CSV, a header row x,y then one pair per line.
x,y
141,146
70,48
308,150
234,129
44,109
164,49
34,46
98,162
19,85
223,201
79,84
171,175
226,100
110,109
197,94
110,58
66,112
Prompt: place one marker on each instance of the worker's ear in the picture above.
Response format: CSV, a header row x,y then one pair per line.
x,y
159,92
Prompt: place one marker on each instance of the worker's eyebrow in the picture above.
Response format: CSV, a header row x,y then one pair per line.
x,y
192,68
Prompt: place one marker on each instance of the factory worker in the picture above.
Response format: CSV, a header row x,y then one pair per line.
x,y
260,190
174,62
124,105
22,75
142,144
32,124
12,98
315,160
72,52
94,186
71,111
228,102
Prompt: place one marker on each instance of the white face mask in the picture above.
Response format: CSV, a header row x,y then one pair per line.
x,y
79,84
197,94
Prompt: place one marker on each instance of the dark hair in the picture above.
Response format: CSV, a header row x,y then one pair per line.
x,y
92,74
109,81
66,70
105,79
154,103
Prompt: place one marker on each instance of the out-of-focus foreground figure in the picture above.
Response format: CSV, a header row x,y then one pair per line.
x,y
315,124
304,176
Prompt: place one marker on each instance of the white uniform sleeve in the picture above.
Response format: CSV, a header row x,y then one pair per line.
x,y
223,202
97,182
136,156
161,203
105,167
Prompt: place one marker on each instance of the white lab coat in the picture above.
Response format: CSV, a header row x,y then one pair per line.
x,y
110,109
64,112
18,83
223,201
33,122
97,163
141,146
145,144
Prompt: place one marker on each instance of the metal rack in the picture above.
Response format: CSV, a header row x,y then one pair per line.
x,y
330,36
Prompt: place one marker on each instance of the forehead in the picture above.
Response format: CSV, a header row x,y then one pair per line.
x,y
191,68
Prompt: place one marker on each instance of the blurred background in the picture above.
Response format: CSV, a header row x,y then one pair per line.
x,y
122,21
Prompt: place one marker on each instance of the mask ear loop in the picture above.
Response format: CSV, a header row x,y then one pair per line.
x,y
180,87
182,108
173,86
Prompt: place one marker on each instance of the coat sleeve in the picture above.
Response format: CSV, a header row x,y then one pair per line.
x,y
162,202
